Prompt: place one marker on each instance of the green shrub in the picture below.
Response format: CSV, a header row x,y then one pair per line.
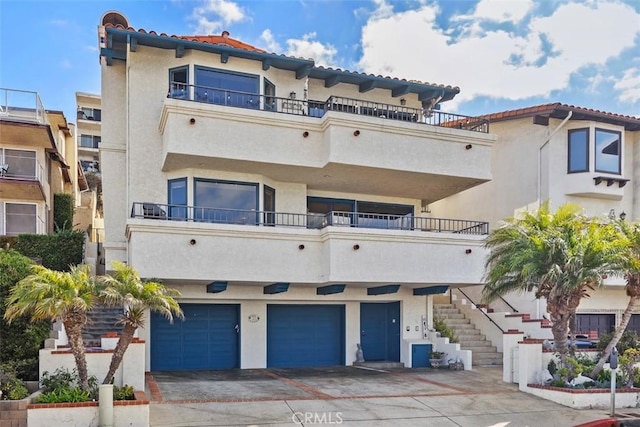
x,y
628,340
444,330
63,384
58,251
22,339
11,386
8,242
123,393
62,211
74,394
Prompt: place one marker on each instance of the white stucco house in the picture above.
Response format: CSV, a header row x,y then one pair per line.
x,y
561,153
287,202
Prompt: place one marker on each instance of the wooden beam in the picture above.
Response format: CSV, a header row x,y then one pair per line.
x,y
332,81
367,86
266,64
400,91
330,289
541,120
216,287
431,290
303,72
224,57
276,288
133,44
179,51
383,290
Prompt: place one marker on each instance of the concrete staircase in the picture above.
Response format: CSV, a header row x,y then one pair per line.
x,y
101,320
469,337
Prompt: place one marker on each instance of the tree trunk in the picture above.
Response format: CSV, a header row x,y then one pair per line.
x,y
633,290
118,353
561,306
74,335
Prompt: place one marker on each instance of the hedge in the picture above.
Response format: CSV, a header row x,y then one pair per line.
x,y
21,340
62,211
57,251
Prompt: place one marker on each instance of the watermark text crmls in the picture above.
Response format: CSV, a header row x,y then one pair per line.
x,y
307,418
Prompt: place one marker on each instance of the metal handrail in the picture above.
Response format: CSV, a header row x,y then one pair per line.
x,y
316,108
509,305
482,311
161,211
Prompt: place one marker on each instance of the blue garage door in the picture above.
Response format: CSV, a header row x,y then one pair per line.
x,y
305,335
207,338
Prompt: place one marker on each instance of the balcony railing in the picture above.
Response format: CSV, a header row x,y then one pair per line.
x,y
21,105
315,108
316,221
21,168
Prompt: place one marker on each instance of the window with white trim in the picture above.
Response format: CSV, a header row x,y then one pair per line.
x,y
20,218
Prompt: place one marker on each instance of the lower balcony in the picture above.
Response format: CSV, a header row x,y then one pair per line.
x,y
196,245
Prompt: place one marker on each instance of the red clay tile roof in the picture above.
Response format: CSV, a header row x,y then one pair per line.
x,y
556,107
222,40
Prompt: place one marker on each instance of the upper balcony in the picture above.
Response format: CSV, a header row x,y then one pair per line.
x,y
22,106
22,177
339,144
199,244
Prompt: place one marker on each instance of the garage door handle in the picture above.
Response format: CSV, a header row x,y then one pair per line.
x,y
237,328
363,333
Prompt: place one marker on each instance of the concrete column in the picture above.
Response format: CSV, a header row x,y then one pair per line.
x,y
105,405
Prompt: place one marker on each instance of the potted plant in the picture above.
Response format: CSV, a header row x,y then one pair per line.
x,y
436,358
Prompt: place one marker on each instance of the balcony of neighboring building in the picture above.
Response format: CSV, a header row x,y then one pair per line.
x,y
22,176
196,243
337,144
89,118
89,144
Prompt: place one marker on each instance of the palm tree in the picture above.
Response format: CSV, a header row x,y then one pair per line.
x,y
560,256
56,295
630,234
125,289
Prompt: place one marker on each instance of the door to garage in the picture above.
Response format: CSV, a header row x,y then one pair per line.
x,y
207,338
305,335
603,323
380,331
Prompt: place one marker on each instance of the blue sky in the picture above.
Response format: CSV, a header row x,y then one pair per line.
x,y
503,54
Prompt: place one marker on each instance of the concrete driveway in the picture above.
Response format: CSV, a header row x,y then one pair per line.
x,y
350,396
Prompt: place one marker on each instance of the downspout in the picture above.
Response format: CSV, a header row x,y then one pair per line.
x,y
564,122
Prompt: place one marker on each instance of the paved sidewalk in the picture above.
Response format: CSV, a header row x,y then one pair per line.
x,y
352,397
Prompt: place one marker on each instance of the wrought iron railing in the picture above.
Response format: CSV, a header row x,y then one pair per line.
x,y
311,220
316,108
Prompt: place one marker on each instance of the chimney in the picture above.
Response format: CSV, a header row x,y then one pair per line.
x,y
225,34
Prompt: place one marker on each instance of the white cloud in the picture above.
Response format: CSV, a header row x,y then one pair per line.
x,y
59,22
485,61
65,64
270,42
629,86
308,47
213,15
503,10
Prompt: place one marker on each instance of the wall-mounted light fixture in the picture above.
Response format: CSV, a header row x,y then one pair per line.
x,y
468,147
468,251
612,214
403,101
356,132
192,121
305,134
292,95
623,215
425,209
356,247
192,242
301,247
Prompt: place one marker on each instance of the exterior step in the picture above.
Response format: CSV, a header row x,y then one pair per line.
x,y
379,365
101,320
484,353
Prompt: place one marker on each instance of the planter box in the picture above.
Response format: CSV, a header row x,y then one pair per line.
x,y
13,413
133,413
595,398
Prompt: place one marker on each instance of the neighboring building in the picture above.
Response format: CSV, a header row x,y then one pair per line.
x,y
561,153
89,137
38,158
287,202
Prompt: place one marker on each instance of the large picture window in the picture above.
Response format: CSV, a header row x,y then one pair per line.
x,y
578,150
608,151
21,218
19,163
226,88
225,201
